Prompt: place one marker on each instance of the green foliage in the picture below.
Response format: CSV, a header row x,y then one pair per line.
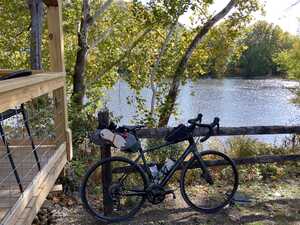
x,y
288,60
160,155
246,147
262,41
81,125
79,168
241,147
14,34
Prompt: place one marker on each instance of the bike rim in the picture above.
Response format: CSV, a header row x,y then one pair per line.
x,y
203,196
124,194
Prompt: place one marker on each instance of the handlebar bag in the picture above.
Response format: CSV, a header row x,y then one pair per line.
x,y
178,134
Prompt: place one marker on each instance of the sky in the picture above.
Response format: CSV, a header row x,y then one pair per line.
x,y
282,13
276,11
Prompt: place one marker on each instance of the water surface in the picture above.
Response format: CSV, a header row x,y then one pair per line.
x,y
238,102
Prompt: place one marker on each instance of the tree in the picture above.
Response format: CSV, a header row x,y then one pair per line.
x,y
244,9
14,35
263,40
36,24
288,60
86,22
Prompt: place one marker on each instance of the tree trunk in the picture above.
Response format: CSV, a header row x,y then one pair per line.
x,y
36,12
156,66
171,97
81,56
78,77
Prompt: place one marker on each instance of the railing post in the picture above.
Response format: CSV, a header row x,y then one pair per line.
x,y
56,50
106,176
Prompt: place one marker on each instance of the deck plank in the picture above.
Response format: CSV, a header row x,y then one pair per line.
x,y
45,178
27,169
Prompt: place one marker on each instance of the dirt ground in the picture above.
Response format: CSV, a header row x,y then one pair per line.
x,y
271,202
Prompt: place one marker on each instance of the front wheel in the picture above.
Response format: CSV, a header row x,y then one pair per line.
x,y
209,195
113,189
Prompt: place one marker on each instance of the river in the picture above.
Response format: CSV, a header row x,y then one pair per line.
x,y
237,102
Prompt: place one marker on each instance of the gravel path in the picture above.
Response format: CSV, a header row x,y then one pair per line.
x,y
272,202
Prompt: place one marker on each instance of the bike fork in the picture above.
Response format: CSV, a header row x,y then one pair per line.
x,y
206,174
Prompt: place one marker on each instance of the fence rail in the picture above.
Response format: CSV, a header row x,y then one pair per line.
x,y
223,131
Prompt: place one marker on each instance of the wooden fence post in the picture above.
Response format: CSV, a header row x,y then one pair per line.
x,y
106,176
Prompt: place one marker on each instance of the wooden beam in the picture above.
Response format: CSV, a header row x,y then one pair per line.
x,y
56,39
20,90
56,50
106,175
224,131
32,190
240,161
23,82
57,187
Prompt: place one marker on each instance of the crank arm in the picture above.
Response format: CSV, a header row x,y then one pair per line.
x,y
133,193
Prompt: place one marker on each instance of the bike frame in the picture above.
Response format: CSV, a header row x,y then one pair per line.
x,y
192,148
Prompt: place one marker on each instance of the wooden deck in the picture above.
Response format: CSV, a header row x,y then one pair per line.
x,y
20,208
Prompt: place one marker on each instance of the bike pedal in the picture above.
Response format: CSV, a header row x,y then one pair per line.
x,y
167,192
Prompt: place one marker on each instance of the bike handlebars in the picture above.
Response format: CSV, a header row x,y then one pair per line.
x,y
197,122
198,119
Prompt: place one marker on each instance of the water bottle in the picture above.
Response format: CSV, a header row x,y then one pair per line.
x,y
169,163
154,170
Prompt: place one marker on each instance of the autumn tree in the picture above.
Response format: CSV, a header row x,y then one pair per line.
x,y
263,40
242,14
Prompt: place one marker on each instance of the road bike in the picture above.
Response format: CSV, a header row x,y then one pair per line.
x,y
208,180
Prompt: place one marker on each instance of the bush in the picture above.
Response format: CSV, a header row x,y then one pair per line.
x,y
239,147
160,155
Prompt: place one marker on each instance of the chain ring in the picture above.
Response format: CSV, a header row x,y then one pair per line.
x,y
155,193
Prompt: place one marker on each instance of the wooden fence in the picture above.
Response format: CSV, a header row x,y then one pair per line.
x,y
158,133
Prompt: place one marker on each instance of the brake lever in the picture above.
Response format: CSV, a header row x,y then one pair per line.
x,y
199,117
216,123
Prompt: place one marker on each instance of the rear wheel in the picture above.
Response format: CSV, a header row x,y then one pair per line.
x,y
115,198
203,195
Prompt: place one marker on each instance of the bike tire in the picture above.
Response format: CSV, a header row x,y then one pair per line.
x,y
93,204
201,187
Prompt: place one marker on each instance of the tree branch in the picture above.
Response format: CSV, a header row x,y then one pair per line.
x,y
101,38
22,31
99,12
157,63
174,87
127,52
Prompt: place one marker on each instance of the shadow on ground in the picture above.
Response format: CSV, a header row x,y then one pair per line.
x,y
280,211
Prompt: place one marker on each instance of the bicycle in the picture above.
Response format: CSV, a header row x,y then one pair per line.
x,y
208,181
